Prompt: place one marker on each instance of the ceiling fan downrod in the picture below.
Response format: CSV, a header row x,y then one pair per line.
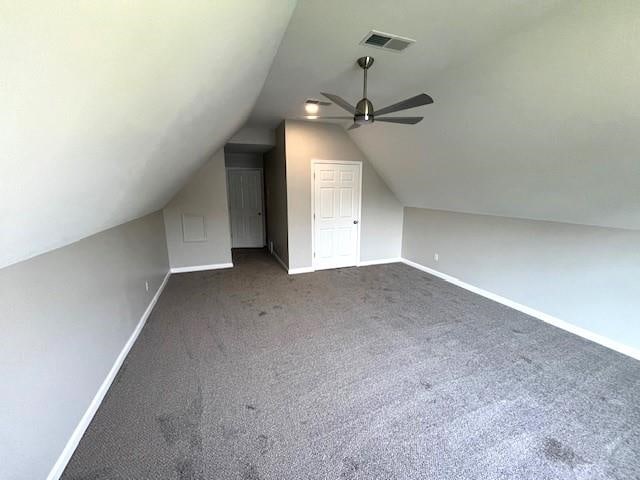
x,y
364,108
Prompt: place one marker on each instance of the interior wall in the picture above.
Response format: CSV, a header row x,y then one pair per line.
x,y
243,160
254,135
65,317
381,222
205,196
587,276
275,183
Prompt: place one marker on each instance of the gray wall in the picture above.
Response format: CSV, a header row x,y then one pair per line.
x,y
243,160
65,317
275,182
587,276
205,194
381,222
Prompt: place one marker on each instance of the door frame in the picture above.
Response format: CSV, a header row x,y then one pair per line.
x,y
314,162
264,227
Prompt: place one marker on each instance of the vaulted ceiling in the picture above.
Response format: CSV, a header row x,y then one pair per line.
x,y
537,103
107,107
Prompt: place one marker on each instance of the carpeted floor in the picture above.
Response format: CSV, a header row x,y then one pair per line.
x,y
379,372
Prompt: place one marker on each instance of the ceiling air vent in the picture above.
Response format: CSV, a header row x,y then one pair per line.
x,y
386,41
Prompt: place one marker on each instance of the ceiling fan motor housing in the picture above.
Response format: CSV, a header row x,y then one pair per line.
x,y
364,111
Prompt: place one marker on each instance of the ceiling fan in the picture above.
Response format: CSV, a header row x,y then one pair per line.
x,y
363,113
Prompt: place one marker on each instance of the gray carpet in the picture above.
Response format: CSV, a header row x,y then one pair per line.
x,y
380,372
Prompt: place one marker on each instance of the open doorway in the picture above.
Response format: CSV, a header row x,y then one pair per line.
x,y
257,220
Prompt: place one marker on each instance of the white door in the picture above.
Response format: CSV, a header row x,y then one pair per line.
x,y
336,214
245,207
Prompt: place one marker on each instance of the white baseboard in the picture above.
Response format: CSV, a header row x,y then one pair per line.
x,y
295,271
77,434
380,261
545,317
279,260
200,268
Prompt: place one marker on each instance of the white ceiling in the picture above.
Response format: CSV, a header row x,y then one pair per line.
x,y
107,107
537,107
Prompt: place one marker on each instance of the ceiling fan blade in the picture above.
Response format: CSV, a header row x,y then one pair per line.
x,y
418,100
316,117
354,125
341,102
405,120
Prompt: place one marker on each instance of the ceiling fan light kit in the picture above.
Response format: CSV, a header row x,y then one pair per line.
x,y
311,107
364,113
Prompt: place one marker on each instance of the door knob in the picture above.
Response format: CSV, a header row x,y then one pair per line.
x,y
259,213
355,222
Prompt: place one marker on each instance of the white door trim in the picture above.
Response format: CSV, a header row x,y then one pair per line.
x,y
264,226
314,162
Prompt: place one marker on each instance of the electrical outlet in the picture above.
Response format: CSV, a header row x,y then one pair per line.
x,y
436,257
146,285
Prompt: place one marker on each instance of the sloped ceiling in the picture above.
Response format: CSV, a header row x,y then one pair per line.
x,y
107,107
537,107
